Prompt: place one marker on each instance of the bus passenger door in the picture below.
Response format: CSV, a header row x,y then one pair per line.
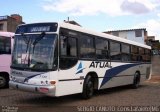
x,y
68,60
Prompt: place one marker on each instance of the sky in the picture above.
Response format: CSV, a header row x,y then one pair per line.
x,y
97,15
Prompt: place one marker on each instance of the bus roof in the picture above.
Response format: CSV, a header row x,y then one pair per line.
x,y
111,37
108,36
7,34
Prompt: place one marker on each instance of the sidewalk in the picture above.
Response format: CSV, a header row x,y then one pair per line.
x,y
156,65
155,78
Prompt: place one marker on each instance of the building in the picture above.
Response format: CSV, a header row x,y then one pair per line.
x,y
138,35
155,44
10,23
150,38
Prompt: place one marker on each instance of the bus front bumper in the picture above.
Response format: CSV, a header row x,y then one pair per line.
x,y
48,90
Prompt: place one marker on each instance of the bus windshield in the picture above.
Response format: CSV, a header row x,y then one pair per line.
x,y
35,52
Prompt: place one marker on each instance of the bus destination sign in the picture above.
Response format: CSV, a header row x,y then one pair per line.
x,y
37,27
40,29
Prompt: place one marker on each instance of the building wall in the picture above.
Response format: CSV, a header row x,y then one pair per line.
x,y
145,36
10,23
151,38
4,25
131,36
123,34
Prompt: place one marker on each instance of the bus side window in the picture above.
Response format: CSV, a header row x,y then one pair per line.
x,y
115,51
86,47
63,45
68,51
101,49
125,52
5,45
68,46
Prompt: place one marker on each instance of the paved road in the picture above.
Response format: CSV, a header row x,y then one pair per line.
x,y
147,96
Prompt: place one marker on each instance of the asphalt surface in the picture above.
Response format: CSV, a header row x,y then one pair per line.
x,y
146,98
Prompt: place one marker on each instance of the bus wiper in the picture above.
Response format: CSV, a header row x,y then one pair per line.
x,y
26,41
38,39
24,38
27,48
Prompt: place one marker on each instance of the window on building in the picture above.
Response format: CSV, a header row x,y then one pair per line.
x,y
1,26
138,33
115,50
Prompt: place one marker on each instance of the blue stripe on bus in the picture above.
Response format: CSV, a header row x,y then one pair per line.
x,y
115,71
27,78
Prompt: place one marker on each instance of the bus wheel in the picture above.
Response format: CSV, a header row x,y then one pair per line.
x,y
136,80
88,88
3,82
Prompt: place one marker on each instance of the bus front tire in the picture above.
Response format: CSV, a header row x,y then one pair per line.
x,y
88,88
136,81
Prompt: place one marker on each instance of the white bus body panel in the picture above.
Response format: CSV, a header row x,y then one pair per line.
x,y
33,81
71,81
5,63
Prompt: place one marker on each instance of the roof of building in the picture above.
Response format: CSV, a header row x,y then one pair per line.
x,y
125,30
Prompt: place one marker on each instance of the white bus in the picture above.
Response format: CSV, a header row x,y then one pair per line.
x,y
6,42
59,59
